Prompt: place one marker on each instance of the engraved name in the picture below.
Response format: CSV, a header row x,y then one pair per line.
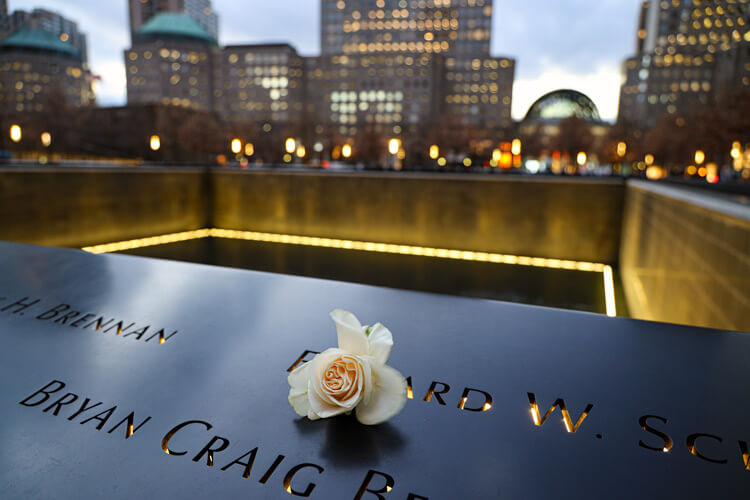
x,y
67,315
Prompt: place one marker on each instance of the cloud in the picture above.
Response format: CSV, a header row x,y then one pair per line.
x,y
601,85
296,22
111,90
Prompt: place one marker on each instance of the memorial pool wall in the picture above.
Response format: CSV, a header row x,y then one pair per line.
x,y
683,257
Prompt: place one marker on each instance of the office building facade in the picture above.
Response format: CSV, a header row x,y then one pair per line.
x,y
679,45
260,83
39,72
171,62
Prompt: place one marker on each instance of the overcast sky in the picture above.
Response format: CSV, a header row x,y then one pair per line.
x,y
576,44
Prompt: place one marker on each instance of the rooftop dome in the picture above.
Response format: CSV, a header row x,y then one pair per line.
x,y
40,40
562,104
175,25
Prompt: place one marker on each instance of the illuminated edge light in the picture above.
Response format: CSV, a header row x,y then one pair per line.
x,y
119,246
370,246
609,291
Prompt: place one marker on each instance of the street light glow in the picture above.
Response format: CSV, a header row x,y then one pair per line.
x,y
301,151
515,147
346,151
236,146
700,157
15,133
434,151
249,149
622,149
154,143
649,159
393,146
290,146
581,158
46,139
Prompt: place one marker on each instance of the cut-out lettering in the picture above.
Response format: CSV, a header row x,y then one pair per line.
x,y
433,392
161,336
364,488
129,429
118,327
271,469
44,392
559,402
290,475
138,333
248,465
668,443
81,320
409,388
51,313
209,450
65,400
83,408
99,322
301,359
101,417
745,454
65,317
174,430
692,446
20,305
486,405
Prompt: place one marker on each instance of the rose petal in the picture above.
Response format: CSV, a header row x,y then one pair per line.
x,y
320,406
299,376
388,396
349,331
300,402
298,381
381,341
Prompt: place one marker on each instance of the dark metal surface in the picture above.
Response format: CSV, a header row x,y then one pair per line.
x,y
238,332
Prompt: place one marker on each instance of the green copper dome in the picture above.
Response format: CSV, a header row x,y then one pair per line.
x,y
39,39
562,104
175,25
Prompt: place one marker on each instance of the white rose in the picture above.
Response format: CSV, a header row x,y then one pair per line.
x,y
353,376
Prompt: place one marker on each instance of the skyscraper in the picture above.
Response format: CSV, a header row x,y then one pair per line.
x,y
374,45
200,10
675,67
457,27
